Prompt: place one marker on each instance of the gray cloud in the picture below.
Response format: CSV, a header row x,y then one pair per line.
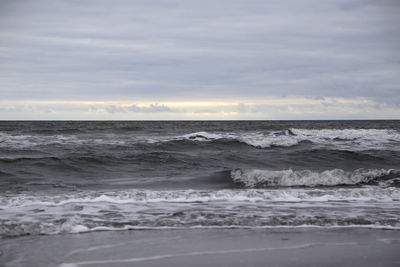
x,y
199,50
152,108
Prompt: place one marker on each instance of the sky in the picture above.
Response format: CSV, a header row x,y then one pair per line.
x,y
195,60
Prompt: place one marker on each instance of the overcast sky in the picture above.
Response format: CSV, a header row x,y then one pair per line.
x,y
219,59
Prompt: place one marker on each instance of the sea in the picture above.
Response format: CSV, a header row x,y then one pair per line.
x,y
63,177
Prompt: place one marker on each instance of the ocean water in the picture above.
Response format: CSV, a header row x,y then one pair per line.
x,y
69,177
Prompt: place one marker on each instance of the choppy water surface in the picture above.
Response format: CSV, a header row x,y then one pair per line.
x,y
62,177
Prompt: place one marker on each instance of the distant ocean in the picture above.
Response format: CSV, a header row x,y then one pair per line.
x,y
69,177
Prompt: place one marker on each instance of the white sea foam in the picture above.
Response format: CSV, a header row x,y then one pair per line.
x,y
367,193
349,134
79,228
23,141
254,177
35,228
205,136
246,208
351,139
26,141
256,139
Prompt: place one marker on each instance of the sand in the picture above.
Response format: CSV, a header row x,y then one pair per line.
x,y
207,247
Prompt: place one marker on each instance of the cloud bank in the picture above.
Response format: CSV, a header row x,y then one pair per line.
x,y
276,108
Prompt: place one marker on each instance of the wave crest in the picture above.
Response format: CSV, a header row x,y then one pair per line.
x,y
267,178
197,196
254,139
358,139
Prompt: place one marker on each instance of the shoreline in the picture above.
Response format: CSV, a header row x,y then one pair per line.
x,y
207,247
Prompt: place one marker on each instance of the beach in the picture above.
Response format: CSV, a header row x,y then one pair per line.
x,y
207,247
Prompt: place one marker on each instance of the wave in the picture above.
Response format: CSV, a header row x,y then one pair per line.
x,y
193,196
287,178
343,139
253,139
245,208
359,139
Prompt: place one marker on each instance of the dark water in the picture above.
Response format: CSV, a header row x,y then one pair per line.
x,y
58,177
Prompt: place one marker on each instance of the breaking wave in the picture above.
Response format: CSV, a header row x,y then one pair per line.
x,y
335,177
24,214
351,139
358,139
190,196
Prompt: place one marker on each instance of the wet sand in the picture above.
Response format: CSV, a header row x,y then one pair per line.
x,y
207,247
